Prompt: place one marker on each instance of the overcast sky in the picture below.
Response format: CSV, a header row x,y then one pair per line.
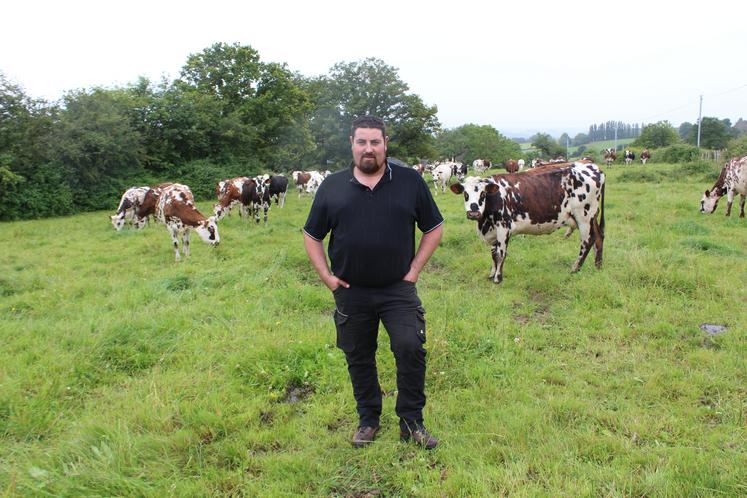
x,y
523,67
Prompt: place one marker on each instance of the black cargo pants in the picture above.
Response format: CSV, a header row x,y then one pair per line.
x,y
359,310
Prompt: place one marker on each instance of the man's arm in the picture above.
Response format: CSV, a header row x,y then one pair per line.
x,y
315,251
428,244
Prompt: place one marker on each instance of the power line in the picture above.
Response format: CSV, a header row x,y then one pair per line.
x,y
691,104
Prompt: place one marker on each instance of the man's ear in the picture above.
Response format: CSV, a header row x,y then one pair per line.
x,y
351,140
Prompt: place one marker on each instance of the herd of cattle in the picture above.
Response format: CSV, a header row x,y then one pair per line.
x,y
547,196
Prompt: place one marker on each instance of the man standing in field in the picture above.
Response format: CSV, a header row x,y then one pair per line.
x,y
372,209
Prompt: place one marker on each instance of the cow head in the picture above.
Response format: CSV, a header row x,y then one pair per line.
x,y
475,192
118,221
208,231
710,200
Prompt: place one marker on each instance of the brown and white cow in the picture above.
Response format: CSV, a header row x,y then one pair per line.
x,y
535,203
731,181
229,194
176,209
315,180
137,205
301,178
521,163
609,156
441,176
511,166
480,166
645,156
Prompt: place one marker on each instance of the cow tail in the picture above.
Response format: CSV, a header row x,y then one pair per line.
x,y
601,215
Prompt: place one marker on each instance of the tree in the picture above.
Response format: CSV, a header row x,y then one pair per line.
x,y
547,146
714,133
684,130
473,141
580,139
369,87
655,135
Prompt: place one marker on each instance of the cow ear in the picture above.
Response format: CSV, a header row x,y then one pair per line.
x,y
457,188
491,188
706,192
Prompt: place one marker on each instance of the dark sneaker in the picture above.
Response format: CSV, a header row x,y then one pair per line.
x,y
420,436
364,435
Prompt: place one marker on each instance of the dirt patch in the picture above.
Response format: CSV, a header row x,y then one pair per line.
x,y
295,394
266,418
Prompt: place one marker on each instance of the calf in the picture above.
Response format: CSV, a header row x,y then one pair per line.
x,y
731,181
176,209
276,186
537,203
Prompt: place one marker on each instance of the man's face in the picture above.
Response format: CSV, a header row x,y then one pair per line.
x,y
369,149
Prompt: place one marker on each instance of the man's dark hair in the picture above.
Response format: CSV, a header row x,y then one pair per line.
x,y
368,122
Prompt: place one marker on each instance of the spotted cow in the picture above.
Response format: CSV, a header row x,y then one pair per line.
x,y
480,166
731,181
176,209
629,157
459,170
276,186
131,200
609,156
229,194
521,164
316,178
441,176
536,203
645,156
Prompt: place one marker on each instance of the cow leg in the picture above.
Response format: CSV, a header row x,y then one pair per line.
x,y
730,201
598,242
185,243
741,205
587,240
175,241
435,187
282,199
499,252
265,207
255,210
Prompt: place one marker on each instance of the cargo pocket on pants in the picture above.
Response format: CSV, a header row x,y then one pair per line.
x,y
420,323
344,338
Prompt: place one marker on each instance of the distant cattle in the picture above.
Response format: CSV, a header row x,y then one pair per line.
x,y
480,166
301,178
534,203
629,157
511,166
276,186
645,156
315,180
176,209
441,176
458,170
420,168
609,156
731,181
521,164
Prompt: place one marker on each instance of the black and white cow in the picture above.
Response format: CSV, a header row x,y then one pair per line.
x,y
731,181
276,186
537,203
629,156
459,170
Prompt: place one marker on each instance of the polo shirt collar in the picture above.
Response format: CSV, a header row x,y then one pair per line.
x,y
386,178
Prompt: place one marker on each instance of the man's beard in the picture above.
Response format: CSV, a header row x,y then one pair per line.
x,y
369,167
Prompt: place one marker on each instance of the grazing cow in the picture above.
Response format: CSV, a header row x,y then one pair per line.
x,y
511,166
459,170
315,180
609,156
480,166
229,194
441,176
645,156
731,181
301,178
629,156
176,209
131,200
537,203
276,186
521,164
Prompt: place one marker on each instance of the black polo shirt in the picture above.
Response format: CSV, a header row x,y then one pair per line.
x,y
373,231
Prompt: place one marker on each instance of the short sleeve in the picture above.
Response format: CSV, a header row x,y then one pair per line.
x,y
317,223
428,215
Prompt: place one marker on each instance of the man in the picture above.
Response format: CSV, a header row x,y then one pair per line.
x,y
372,209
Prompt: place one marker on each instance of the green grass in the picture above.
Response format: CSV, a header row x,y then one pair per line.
x,y
123,373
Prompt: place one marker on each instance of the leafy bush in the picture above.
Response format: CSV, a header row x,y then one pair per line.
x,y
202,176
737,147
677,153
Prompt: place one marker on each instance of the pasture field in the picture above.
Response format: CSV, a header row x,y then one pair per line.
x,y
123,373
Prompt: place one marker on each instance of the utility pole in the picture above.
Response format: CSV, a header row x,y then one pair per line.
x,y
700,118
567,148
615,137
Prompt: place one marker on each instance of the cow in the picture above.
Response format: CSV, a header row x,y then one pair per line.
x,y
441,176
459,170
645,156
521,164
511,166
276,186
176,209
316,178
229,194
254,195
129,204
537,203
609,156
420,168
480,166
629,156
731,181
301,178
137,205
